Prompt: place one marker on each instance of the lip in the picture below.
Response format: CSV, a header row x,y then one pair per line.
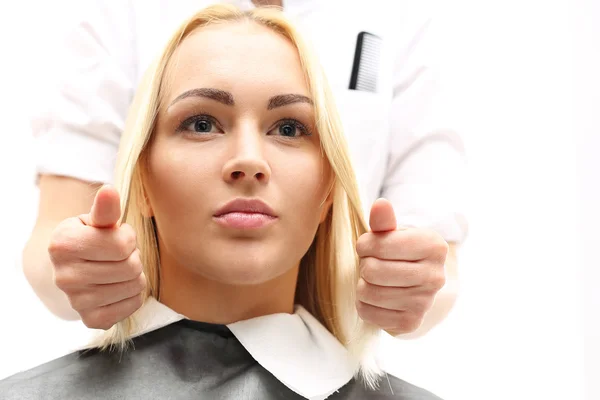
x,y
245,214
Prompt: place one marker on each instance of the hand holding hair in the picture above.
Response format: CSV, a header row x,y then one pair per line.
x,y
401,271
97,264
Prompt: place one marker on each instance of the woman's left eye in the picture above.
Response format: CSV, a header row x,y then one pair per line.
x,y
290,128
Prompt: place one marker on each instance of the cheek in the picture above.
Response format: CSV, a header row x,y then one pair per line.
x,y
306,181
175,181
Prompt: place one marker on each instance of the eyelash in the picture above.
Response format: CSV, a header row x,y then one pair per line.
x,y
304,131
200,117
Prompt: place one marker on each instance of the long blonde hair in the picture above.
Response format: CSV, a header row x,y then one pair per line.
x,y
329,270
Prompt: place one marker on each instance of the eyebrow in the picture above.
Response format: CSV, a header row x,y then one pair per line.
x,y
214,94
226,98
286,99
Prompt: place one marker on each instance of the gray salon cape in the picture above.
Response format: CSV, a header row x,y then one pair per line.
x,y
280,356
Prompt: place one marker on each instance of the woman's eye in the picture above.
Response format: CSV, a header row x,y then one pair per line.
x,y
199,124
290,128
202,126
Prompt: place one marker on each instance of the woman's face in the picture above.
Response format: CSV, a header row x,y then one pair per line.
x,y
236,180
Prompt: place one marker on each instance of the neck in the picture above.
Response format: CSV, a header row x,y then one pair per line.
x,y
188,292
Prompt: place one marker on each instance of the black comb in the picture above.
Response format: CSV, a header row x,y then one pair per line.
x,y
367,57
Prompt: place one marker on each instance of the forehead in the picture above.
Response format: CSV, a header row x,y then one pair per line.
x,y
236,56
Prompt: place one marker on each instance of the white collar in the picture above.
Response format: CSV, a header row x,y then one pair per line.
x,y
296,348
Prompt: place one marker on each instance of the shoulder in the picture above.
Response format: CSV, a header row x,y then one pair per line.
x,y
73,375
389,387
33,383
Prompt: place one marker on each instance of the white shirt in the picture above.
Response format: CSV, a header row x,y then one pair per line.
x,y
299,351
400,144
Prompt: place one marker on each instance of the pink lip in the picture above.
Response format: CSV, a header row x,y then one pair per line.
x,y
245,214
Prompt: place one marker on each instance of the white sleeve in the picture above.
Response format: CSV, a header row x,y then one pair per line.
x,y
426,173
77,130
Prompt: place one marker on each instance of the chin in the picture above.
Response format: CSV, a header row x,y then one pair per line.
x,y
247,275
247,264
244,272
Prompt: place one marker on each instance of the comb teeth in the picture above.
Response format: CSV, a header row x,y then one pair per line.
x,y
366,63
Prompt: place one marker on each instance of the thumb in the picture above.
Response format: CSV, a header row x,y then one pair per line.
x,y
382,218
106,210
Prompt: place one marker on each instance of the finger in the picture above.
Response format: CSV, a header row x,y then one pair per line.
x,y
93,244
404,274
105,317
104,295
106,210
416,299
411,244
382,217
389,320
89,273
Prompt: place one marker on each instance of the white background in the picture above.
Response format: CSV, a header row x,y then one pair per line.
x,y
526,78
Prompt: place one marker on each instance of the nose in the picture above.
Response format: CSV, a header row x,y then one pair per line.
x,y
248,164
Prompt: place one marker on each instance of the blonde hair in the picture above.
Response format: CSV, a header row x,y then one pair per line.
x,y
329,271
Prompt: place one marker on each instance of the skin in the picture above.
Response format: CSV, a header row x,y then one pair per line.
x,y
402,275
206,153
61,200
69,258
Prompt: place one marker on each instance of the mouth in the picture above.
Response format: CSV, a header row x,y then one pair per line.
x,y
245,214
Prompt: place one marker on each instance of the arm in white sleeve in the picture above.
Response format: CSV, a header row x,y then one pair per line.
x,y
77,132
426,173
76,135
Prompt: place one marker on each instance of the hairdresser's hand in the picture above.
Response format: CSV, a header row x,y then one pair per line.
x,y
97,265
401,270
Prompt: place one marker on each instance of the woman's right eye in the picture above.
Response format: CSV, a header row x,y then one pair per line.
x,y
199,124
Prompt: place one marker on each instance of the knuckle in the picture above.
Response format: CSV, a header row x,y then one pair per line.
x,y
444,247
438,246
369,244
134,263
125,245
421,306
56,247
60,248
96,319
95,323
136,304
369,269
139,284
438,280
362,290
441,250
362,244
363,310
435,278
63,239
409,322
79,302
129,307
64,279
128,232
